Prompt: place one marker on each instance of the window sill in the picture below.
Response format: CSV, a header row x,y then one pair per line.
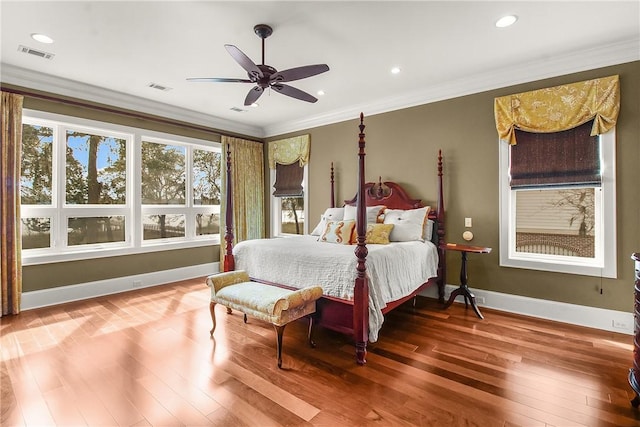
x,y
558,267
84,253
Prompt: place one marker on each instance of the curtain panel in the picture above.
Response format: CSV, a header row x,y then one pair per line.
x,y
10,239
247,179
559,108
289,150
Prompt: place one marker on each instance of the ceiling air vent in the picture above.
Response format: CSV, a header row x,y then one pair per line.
x,y
159,87
35,52
237,110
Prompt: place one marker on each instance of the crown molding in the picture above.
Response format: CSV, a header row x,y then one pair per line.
x,y
570,62
10,74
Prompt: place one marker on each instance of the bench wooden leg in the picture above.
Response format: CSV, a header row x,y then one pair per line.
x,y
212,306
279,331
310,334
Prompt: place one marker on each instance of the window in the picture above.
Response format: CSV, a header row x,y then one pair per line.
x,y
559,216
288,164
91,189
289,202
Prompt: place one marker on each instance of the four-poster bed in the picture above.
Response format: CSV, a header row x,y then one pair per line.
x,y
350,297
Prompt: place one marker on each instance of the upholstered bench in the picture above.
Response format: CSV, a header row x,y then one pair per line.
x,y
272,304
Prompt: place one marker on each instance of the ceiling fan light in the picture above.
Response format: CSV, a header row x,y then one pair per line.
x,y
506,21
395,70
255,105
320,93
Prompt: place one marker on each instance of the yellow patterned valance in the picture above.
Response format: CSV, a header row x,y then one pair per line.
x,y
559,108
288,151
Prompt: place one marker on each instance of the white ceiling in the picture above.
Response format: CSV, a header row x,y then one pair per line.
x,y
111,51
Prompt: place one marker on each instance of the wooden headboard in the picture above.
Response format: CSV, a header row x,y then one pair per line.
x,y
394,196
388,193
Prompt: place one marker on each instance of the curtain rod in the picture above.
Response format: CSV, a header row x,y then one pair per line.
x,y
126,113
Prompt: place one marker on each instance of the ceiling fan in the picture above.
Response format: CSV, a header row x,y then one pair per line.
x,y
265,76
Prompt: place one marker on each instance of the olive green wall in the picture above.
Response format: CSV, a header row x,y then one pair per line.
x,y
403,145
44,276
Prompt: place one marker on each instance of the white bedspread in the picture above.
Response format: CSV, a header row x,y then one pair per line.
x,y
394,270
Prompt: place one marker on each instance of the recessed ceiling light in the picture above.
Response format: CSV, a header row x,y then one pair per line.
x,y
506,21
42,38
395,70
320,92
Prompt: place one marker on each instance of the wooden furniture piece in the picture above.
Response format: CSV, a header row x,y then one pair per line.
x,y
634,373
352,316
464,288
272,304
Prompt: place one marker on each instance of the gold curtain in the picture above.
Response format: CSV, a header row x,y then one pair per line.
x,y
559,108
10,239
247,178
286,151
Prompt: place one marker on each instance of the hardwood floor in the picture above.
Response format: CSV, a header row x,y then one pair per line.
x,y
145,358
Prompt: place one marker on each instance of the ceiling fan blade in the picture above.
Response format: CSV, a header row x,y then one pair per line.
x,y
299,73
253,95
218,80
244,61
293,92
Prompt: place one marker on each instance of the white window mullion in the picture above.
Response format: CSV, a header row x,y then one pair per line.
x,y
60,175
189,226
135,193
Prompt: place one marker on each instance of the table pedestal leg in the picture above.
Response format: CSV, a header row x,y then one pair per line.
x,y
463,290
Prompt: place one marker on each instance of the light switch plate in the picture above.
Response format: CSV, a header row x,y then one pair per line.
x,y
467,222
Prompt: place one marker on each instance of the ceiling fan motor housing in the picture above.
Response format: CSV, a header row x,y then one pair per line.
x,y
267,72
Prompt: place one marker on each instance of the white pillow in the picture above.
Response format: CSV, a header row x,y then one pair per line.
x,y
373,212
408,225
428,230
331,214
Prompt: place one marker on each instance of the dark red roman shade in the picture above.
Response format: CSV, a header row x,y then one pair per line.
x,y
288,180
570,157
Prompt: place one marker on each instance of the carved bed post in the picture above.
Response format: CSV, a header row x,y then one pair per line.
x,y
229,261
361,288
333,197
442,259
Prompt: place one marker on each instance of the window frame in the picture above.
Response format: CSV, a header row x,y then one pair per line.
x,y
604,264
276,205
59,211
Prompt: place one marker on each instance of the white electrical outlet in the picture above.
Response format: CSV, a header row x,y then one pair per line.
x,y
467,222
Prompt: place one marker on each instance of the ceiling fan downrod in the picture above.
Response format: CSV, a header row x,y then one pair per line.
x,y
263,31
